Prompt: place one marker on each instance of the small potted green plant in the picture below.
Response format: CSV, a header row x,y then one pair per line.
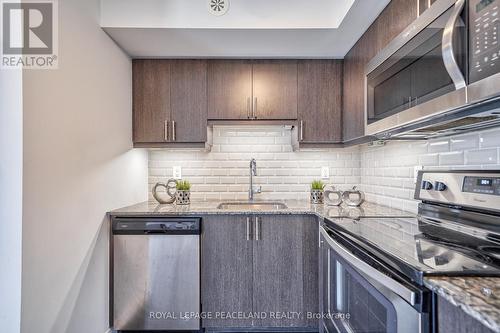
x,y
317,191
183,194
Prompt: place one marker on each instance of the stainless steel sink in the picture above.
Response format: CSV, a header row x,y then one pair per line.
x,y
256,205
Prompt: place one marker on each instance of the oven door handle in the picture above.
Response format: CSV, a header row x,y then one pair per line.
x,y
450,62
408,295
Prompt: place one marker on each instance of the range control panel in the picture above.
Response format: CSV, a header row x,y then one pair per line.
x,y
475,189
483,185
484,39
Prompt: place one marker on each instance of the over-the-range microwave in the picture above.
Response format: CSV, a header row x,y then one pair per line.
x,y
440,76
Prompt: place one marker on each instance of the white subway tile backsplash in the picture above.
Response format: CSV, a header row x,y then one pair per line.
x,y
484,156
387,177
490,138
223,173
384,173
439,146
453,158
463,142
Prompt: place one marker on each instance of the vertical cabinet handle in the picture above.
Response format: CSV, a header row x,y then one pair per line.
x,y
249,226
173,130
254,109
409,102
301,136
257,228
248,107
165,130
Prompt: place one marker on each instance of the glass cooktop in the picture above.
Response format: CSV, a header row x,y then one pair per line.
x,y
419,246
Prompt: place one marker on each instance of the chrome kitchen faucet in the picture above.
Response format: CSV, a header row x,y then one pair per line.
x,y
253,172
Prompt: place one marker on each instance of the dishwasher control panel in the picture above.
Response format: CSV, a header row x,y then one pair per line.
x,y
153,225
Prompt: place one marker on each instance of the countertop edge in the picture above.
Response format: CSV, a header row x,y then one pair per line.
x,y
439,286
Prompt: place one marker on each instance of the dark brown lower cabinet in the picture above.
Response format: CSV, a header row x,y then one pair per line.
x,y
452,319
269,268
226,270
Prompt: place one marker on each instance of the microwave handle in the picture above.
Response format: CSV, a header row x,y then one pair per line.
x,y
359,265
450,62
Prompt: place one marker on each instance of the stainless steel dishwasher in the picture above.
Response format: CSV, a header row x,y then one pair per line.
x,y
155,273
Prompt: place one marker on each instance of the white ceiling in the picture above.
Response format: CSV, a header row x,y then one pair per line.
x,y
250,28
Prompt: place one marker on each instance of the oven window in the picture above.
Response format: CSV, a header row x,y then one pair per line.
x,y
355,305
414,74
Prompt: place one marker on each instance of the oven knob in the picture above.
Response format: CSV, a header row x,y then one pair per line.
x,y
426,185
440,186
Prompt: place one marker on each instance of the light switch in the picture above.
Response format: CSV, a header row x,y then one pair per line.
x,y
325,172
177,172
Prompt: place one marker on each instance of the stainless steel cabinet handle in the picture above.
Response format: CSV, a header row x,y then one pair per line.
x,y
257,228
165,130
301,130
254,109
173,130
409,101
363,268
249,226
248,107
447,47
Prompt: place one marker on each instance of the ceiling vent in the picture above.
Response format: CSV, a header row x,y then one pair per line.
x,y
218,7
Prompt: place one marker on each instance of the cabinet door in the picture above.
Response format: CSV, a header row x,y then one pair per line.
x,y
151,100
452,319
285,268
226,274
188,94
320,100
229,89
423,5
275,89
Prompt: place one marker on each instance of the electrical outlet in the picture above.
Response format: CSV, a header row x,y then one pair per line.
x,y
416,169
325,172
177,172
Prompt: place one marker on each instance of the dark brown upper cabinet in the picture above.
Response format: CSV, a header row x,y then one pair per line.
x,y
229,89
252,90
188,98
151,100
423,5
395,17
275,89
320,101
169,102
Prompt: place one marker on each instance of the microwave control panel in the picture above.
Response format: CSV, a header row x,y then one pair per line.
x,y
484,38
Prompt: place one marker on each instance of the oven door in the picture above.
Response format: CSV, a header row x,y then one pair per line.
x,y
421,73
355,297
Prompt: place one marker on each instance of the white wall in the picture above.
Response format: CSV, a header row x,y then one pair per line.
x,y
78,164
11,136
223,173
387,172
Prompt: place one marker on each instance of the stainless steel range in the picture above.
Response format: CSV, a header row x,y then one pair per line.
x,y
372,269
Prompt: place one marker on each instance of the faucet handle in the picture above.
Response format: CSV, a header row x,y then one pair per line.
x,y
259,189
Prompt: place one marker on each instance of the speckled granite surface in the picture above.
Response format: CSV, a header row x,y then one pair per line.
x,y
294,207
477,296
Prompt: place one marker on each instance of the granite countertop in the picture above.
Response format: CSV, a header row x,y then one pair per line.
x,y
294,207
479,297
